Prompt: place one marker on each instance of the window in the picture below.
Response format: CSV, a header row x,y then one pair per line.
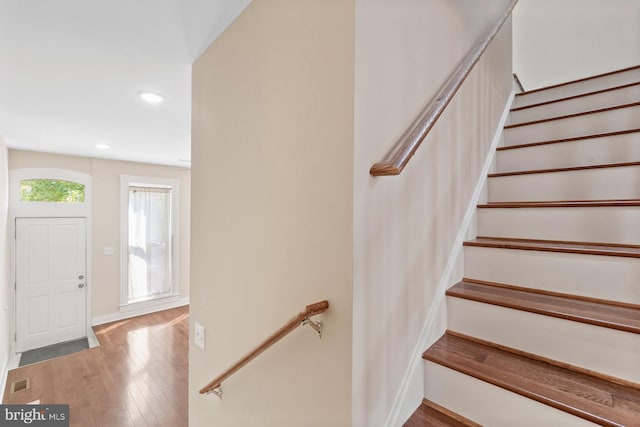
x,y
149,226
51,190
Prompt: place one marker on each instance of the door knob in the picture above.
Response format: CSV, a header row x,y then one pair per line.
x,y
81,277
81,285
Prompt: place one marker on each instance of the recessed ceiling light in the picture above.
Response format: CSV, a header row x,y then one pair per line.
x,y
151,97
102,146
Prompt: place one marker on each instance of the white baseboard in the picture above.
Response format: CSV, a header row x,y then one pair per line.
x,y
411,391
92,339
113,317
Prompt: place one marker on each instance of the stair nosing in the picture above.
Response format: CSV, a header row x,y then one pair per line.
x,y
560,242
572,139
569,98
570,116
521,244
547,360
561,204
522,391
553,293
449,413
567,169
550,313
609,73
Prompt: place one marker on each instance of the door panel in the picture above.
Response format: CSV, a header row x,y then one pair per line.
x,y
38,314
50,296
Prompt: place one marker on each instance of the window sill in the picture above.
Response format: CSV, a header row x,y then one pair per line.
x,y
150,303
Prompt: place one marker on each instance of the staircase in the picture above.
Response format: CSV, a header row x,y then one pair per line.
x,y
544,330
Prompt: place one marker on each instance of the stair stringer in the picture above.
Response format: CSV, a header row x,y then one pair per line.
x,y
412,388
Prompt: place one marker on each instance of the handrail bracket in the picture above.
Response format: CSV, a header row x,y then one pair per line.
x,y
217,391
316,325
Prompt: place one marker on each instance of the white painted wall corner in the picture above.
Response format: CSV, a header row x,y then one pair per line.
x,y
5,373
411,391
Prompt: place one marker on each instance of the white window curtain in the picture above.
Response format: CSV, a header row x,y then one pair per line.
x,y
149,242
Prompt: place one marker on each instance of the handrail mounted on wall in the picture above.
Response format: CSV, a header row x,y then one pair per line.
x,y
302,318
398,157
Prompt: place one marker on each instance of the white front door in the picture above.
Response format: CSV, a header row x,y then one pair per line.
x,y
50,281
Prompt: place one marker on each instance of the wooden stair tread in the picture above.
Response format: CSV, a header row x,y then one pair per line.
x,y
572,139
585,396
569,169
433,415
569,116
581,95
563,204
622,70
564,307
586,248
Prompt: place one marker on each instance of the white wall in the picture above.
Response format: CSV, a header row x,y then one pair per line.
x,y
105,176
272,150
6,303
405,226
555,41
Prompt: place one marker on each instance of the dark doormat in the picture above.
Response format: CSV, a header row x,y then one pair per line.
x,y
51,351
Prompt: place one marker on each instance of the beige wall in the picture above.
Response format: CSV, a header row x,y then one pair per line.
x,y
6,303
558,41
272,205
106,216
405,227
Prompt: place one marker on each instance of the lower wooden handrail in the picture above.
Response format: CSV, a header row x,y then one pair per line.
x,y
300,319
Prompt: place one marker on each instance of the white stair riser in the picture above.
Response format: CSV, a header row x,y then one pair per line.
x,y
490,405
585,224
586,86
604,277
588,124
589,184
596,101
587,152
608,351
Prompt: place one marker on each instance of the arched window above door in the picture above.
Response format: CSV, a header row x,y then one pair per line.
x,y
49,192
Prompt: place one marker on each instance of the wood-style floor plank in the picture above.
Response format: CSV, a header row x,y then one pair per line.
x,y
564,307
582,395
136,377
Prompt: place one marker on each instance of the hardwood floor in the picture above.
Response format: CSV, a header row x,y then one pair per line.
x,y
136,377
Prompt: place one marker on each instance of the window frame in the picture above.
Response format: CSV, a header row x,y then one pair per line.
x,y
143,181
84,190
23,208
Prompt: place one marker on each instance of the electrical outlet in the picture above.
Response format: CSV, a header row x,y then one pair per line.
x,y
199,335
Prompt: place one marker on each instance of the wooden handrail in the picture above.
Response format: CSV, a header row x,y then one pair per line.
x,y
518,82
398,157
293,323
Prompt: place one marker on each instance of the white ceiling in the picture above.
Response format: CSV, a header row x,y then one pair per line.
x,y
70,71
